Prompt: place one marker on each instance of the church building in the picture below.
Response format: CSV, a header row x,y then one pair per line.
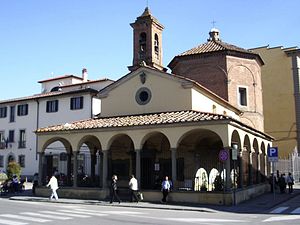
x,y
201,125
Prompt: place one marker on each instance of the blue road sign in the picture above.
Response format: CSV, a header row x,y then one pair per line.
x,y
273,154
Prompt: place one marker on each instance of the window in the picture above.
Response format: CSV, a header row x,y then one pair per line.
x,y
76,103
12,114
156,44
3,112
22,139
11,136
2,140
22,110
52,106
242,96
1,161
143,96
22,160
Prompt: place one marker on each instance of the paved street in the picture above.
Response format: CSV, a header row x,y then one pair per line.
x,y
266,209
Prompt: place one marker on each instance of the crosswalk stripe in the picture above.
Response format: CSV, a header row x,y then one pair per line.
x,y
85,213
24,218
9,222
45,216
296,211
279,210
63,214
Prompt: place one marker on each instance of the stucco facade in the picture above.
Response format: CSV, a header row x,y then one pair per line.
x,y
280,100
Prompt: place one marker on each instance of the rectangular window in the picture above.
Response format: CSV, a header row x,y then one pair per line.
x,y
11,136
52,106
76,103
12,114
2,140
22,160
242,96
3,112
22,110
1,161
22,139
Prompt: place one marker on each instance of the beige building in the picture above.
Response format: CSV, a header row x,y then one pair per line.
x,y
154,123
280,82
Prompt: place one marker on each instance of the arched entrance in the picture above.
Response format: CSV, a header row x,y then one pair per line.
x,y
155,161
198,149
121,159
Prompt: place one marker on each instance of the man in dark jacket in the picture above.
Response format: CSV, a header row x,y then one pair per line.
x,y
113,189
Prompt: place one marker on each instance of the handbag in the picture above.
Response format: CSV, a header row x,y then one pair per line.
x,y
140,196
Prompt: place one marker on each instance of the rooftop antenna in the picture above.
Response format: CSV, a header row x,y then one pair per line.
x,y
214,23
147,3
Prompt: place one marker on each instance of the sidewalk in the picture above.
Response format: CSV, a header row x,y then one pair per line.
x,y
260,204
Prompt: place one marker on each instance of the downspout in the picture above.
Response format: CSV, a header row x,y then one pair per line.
x,y
296,78
37,126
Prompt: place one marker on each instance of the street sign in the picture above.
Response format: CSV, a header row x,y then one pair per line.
x,y
223,155
273,154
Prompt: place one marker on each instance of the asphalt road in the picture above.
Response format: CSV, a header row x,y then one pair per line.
x,y
22,212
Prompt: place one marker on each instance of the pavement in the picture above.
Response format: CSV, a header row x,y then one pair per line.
x,y
262,204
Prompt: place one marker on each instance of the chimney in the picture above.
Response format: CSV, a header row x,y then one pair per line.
x,y
84,75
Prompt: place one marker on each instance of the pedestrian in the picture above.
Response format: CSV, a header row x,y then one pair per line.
x,y
133,187
272,182
35,182
114,189
165,187
282,183
290,182
15,183
54,186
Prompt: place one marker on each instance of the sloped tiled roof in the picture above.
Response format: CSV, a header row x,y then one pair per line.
x,y
47,94
137,120
213,46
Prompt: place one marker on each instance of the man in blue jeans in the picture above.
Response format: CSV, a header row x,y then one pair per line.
x,y
165,186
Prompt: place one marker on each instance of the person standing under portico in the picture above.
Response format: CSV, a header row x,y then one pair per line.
x,y
165,186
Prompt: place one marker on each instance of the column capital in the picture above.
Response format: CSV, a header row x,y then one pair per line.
x,y
137,150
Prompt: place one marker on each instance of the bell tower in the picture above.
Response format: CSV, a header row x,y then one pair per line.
x,y
147,41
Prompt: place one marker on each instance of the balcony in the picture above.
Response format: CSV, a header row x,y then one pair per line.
x,y
22,144
2,145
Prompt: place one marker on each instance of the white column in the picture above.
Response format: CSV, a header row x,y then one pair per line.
x,y
104,170
138,166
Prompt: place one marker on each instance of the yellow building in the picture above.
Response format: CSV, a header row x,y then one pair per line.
x,y
280,83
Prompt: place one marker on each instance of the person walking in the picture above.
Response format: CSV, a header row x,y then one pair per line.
x,y
165,186
54,186
113,189
35,182
133,187
290,182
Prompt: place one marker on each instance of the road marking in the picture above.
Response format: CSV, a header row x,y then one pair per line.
x,y
46,216
282,218
80,212
279,210
8,222
122,212
191,220
64,214
296,211
25,218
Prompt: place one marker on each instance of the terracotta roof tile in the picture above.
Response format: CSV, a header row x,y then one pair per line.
x,y
213,46
136,120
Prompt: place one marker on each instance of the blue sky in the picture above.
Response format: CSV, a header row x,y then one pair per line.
x,y
43,39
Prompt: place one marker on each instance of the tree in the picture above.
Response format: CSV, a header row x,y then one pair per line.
x,y
13,168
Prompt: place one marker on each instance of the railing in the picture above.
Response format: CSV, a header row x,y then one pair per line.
x,y
2,145
22,144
